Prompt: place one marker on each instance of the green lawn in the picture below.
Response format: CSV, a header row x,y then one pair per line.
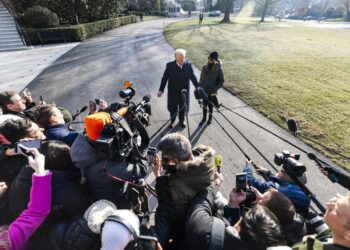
x,y
150,18
283,70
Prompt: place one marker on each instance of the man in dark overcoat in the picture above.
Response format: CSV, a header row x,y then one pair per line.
x,y
177,75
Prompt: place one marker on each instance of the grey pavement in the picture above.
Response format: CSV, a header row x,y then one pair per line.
x,y
19,68
138,52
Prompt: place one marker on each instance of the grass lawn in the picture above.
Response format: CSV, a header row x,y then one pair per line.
x,y
150,18
283,70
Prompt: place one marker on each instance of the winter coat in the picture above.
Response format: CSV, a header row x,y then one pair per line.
x,y
177,79
100,185
164,218
25,114
68,199
31,218
74,235
212,79
60,132
291,190
318,242
191,176
10,166
199,224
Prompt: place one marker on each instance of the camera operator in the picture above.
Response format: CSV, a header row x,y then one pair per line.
x,y
337,217
101,186
189,171
13,103
256,230
342,179
16,131
293,225
283,183
51,119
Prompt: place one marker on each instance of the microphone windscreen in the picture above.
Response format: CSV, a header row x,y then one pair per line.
x,y
83,109
197,95
292,125
184,96
146,98
202,93
311,156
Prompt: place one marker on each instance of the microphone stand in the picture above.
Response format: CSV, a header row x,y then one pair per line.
x,y
185,106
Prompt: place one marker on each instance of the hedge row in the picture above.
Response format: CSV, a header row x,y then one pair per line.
x,y
80,32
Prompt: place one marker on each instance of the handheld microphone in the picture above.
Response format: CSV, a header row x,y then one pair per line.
x,y
184,96
83,109
330,176
202,93
218,162
145,100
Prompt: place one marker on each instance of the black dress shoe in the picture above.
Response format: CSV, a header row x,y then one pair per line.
x,y
209,121
202,122
183,124
171,125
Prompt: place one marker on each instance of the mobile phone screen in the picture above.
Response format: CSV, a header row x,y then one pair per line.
x,y
23,150
147,243
241,182
29,144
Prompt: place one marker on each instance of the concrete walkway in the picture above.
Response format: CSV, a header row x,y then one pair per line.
x,y
19,68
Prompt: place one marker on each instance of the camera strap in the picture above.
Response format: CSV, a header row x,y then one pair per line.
x,y
217,234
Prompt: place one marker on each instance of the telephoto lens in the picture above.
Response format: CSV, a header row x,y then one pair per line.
x,y
316,222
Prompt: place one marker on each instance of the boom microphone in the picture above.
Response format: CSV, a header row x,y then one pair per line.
x,y
82,110
202,93
330,176
312,156
292,125
146,98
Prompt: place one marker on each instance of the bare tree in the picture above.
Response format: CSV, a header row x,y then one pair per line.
x,y
264,5
293,4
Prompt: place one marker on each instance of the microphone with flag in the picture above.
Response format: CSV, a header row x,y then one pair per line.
x,y
218,163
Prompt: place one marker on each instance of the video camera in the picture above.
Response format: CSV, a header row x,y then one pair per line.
x,y
121,133
290,163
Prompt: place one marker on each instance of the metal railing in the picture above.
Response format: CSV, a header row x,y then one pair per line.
x,y
23,35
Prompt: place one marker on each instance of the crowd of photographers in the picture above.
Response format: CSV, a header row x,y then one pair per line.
x,y
70,198
63,189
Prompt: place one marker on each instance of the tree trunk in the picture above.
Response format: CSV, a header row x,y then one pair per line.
x,y
228,9
347,9
209,3
263,13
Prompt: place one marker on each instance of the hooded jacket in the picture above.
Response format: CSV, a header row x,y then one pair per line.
x,y
212,79
191,176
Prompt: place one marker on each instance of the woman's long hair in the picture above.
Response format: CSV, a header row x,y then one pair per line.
x,y
57,155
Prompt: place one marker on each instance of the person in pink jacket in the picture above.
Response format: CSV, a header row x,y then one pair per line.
x,y
17,234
